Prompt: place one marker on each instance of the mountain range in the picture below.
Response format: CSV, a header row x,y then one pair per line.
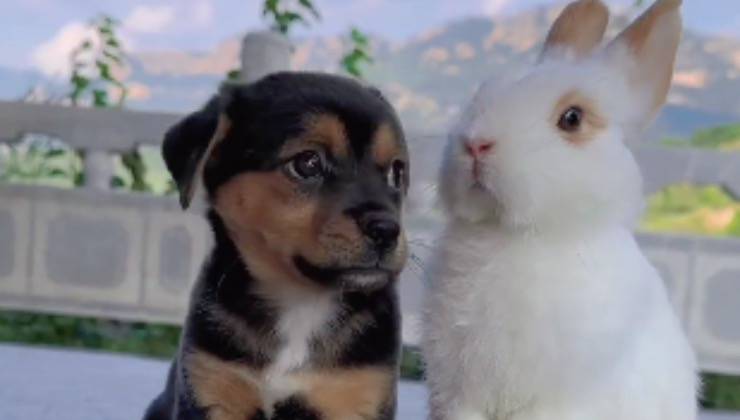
x,y
429,76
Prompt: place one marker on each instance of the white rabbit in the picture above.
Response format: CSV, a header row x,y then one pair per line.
x,y
542,305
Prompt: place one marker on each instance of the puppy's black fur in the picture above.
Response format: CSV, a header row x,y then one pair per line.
x,y
334,236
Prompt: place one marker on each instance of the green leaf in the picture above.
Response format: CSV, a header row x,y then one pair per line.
x,y
79,81
57,173
112,42
55,153
358,54
104,69
271,6
358,37
117,182
311,8
100,98
113,57
233,75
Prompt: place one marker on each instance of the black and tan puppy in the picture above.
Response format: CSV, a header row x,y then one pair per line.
x,y
295,314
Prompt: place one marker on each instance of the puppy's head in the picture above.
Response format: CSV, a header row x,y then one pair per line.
x,y
307,173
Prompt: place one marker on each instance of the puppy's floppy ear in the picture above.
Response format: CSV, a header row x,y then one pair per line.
x,y
646,52
577,31
188,145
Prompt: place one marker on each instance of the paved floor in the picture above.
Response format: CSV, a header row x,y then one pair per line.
x,y
43,384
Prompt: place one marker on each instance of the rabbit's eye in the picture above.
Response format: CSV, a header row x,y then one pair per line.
x,y
571,119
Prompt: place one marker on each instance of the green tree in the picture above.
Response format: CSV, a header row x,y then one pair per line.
x,y
358,54
94,65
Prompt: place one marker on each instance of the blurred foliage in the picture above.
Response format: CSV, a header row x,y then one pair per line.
x,y
40,160
721,392
284,14
89,333
142,170
96,66
724,137
234,75
705,210
412,364
358,55
685,208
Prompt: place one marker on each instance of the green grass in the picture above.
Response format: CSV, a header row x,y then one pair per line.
x,y
724,137
685,208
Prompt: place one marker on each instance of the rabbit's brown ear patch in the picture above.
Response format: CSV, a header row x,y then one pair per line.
x,y
592,121
578,30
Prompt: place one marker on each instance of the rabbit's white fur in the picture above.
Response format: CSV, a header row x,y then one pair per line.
x,y
541,305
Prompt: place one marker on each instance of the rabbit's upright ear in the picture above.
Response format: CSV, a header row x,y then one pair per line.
x,y
646,51
577,31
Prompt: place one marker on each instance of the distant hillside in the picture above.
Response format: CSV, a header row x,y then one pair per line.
x,y
16,83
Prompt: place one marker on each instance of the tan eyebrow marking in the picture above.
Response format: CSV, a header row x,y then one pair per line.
x,y
329,130
385,145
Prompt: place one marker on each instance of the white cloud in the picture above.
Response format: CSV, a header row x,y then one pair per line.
x,y
52,57
149,19
202,12
494,7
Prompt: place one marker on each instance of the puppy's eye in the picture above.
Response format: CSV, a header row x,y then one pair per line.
x,y
396,174
571,119
306,165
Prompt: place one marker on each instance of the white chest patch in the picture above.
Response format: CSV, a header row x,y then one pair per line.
x,y
298,324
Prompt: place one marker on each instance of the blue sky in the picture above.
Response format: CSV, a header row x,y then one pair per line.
x,y
35,32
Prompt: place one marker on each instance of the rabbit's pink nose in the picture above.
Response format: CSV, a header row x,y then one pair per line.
x,y
478,148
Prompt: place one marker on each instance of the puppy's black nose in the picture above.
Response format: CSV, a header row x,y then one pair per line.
x,y
383,232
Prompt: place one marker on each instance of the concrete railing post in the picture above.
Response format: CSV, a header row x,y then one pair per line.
x,y
262,53
98,169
